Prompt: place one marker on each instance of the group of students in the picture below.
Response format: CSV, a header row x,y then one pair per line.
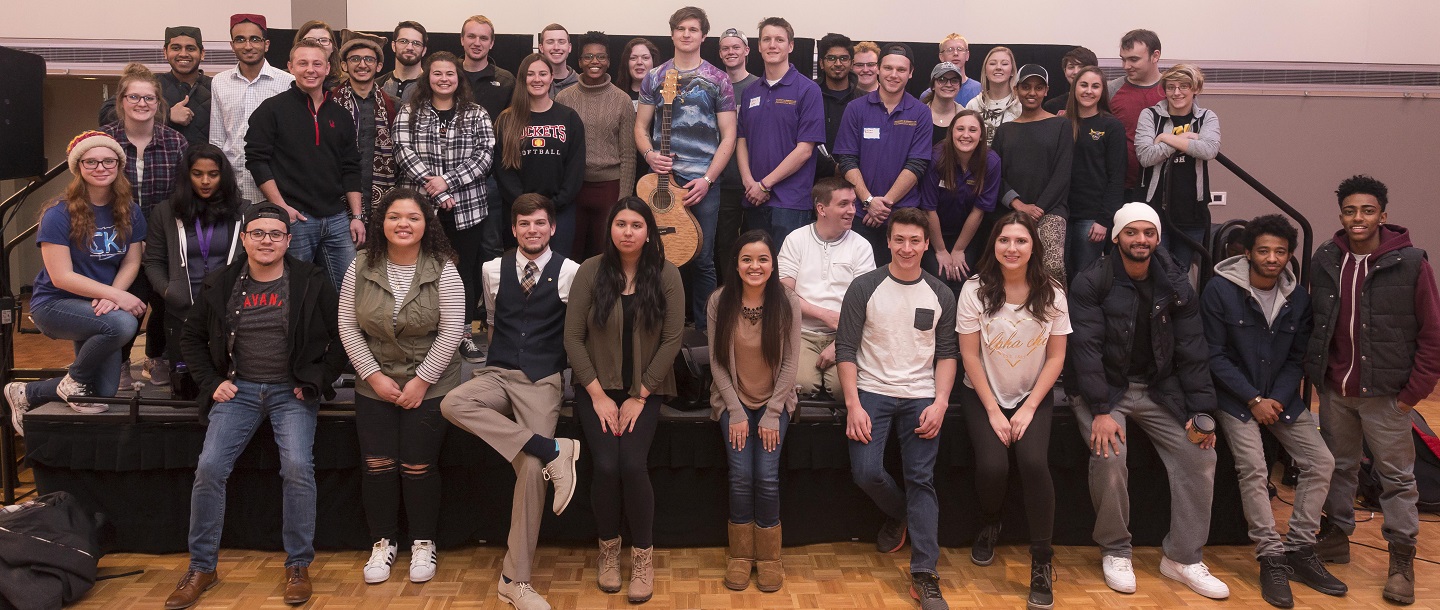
x,y
935,283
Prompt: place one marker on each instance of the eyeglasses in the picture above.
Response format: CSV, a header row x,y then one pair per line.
x,y
259,235
595,57
364,60
948,81
406,42
837,58
108,163
323,41
1178,88
250,39
136,98
867,64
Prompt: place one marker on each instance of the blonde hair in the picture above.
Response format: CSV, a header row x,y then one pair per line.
x,y
953,36
867,47
985,80
137,73
1185,73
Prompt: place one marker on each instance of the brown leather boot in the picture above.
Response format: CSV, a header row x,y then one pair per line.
x,y
1400,587
642,575
608,577
192,584
297,585
741,558
767,555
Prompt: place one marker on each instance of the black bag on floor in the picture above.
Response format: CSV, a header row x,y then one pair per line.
x,y
49,552
692,373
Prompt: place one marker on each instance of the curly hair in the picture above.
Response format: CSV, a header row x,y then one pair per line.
x,y
1269,224
432,243
1361,184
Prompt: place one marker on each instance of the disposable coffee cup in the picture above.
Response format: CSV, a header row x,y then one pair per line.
x,y
1201,426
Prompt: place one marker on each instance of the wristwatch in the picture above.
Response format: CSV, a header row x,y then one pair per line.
x,y
354,216
867,201
1254,401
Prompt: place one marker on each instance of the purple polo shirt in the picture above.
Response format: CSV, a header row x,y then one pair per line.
x,y
773,119
884,140
953,206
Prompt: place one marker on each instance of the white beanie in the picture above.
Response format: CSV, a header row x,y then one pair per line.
x,y
1133,212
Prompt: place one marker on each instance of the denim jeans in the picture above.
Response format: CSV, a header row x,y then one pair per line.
x,y
754,472
232,424
97,345
917,502
699,273
327,236
1080,252
564,239
778,222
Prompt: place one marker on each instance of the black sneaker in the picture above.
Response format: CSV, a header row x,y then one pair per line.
x,y
1275,582
925,588
1042,581
982,553
1310,571
471,352
891,537
1332,544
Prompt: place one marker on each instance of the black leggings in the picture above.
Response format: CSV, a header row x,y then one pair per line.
x,y
400,447
468,260
992,469
621,477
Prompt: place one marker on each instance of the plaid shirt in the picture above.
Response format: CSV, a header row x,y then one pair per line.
x,y
232,100
460,152
161,156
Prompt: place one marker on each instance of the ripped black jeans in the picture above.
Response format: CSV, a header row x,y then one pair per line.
x,y
400,448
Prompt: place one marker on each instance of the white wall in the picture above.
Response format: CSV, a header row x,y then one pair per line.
x,y
1380,31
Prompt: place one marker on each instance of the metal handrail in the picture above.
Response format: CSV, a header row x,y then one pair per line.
x,y
35,185
1307,234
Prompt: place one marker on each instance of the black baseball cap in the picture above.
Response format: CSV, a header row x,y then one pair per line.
x,y
266,209
1029,70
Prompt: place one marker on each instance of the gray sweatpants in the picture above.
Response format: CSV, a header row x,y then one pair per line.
x,y
1346,422
1301,439
1191,473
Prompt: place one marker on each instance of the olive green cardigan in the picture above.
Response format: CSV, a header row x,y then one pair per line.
x,y
594,351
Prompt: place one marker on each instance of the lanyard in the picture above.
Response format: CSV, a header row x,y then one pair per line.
x,y
203,239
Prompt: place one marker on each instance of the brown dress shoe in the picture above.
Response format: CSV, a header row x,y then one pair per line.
x,y
297,585
192,584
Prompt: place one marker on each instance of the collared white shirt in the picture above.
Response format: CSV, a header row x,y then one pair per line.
x,y
490,278
232,100
823,270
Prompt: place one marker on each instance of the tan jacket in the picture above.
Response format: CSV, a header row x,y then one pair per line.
x,y
594,351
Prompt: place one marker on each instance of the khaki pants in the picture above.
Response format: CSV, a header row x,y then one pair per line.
x,y
484,407
809,377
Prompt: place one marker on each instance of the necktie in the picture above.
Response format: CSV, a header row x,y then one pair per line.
x,y
528,282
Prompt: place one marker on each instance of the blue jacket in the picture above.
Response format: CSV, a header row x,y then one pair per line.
x,y
1251,355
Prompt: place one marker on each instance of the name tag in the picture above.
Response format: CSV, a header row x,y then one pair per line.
x,y
872,133
784,101
905,122
754,102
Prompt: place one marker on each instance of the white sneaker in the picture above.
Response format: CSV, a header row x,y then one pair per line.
x,y
69,388
1196,576
422,561
18,404
521,595
1119,573
382,555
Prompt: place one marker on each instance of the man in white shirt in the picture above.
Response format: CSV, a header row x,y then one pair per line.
x,y
237,92
818,261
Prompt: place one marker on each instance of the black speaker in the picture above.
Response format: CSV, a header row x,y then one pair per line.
x,y
22,117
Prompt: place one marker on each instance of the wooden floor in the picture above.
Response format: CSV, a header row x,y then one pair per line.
x,y
827,576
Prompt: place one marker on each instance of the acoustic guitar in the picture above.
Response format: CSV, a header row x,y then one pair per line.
x,y
680,236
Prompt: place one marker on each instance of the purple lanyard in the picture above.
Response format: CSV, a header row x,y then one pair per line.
x,y
203,240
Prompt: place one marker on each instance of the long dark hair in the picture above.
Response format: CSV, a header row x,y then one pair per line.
x,y
424,93
949,158
1072,105
223,206
610,279
510,127
774,321
1042,286
432,243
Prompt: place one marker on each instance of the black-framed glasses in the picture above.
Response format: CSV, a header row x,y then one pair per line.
x,y
249,39
259,235
364,60
837,58
406,42
949,81
108,163
595,57
136,98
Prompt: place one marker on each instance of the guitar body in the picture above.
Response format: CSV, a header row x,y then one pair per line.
x,y
679,231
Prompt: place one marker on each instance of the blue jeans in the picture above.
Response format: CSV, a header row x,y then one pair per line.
x,y
778,222
1080,252
754,472
232,424
699,274
917,503
327,236
98,340
1179,250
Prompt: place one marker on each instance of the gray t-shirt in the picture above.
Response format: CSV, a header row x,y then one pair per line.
x,y
261,343
1267,301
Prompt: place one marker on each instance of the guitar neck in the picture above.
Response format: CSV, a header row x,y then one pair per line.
x,y
665,113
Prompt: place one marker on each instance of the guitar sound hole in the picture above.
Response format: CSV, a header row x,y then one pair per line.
x,y
662,200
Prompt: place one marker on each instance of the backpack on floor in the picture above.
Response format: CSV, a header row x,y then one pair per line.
x,y
1427,470
49,552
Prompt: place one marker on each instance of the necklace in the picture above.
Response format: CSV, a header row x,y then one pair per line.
x,y
752,313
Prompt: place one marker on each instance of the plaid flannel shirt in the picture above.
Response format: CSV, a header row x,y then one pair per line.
x,y
461,152
162,156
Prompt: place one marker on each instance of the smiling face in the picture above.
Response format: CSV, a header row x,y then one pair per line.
x,y
1088,88
775,45
894,73
1031,92
266,251
99,176
908,244
755,264
867,69
310,66
999,67
140,101
533,232
537,79
204,178
628,232
477,38
362,63
967,133
946,86
248,42
444,78
1139,61
1181,96
733,52
404,223
1013,247
1361,217
1137,241
555,46
835,63
838,214
409,46
1269,256
639,62
184,55
594,63
687,36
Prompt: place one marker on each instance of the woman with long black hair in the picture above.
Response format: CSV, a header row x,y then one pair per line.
x,y
754,356
1012,318
622,333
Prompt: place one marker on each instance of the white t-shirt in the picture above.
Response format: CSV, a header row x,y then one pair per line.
x,y
823,270
1012,342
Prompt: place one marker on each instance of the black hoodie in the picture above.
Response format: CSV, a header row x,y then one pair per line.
x,y
310,153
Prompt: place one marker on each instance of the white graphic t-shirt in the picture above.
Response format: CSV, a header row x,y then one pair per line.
x,y
1012,342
